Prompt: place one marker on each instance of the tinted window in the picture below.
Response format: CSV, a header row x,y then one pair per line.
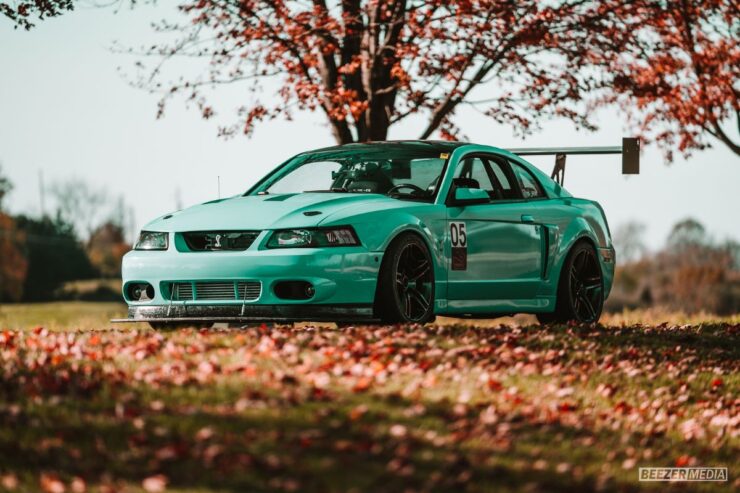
x,y
501,176
475,169
502,173
527,183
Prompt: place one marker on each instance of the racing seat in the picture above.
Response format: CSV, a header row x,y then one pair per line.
x,y
369,178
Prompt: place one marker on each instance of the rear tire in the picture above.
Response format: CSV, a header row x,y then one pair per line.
x,y
580,296
405,292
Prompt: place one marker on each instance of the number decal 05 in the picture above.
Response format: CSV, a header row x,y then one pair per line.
x,y
459,243
458,235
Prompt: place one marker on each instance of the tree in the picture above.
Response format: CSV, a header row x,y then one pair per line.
x,y
370,64
5,187
13,264
106,248
20,12
691,274
675,68
685,234
79,205
628,241
54,255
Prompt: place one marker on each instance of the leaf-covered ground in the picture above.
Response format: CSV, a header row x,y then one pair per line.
x,y
435,408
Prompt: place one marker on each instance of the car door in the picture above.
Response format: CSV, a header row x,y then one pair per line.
x,y
495,249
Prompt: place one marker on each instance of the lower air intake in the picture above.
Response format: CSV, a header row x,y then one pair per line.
x,y
216,291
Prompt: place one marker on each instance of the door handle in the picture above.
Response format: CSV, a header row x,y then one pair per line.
x,y
527,218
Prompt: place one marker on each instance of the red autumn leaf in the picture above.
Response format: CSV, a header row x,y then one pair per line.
x,y
683,461
50,483
6,337
155,484
622,407
566,407
494,385
362,384
78,485
358,412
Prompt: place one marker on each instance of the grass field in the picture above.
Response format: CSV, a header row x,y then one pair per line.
x,y
503,405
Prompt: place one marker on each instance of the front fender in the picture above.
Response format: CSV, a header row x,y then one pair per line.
x,y
378,228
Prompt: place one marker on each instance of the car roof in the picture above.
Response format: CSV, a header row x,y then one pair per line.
x,y
442,145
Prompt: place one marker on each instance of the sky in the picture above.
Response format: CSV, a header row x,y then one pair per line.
x,y
66,112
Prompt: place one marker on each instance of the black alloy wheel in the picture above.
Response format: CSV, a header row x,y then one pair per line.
x,y
405,290
586,286
580,295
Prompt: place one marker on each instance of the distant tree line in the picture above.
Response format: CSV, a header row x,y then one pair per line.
x,y
38,255
692,273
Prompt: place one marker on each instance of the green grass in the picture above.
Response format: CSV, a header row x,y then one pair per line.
x,y
67,315
449,407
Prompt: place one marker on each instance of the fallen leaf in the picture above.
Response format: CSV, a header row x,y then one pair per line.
x,y
155,484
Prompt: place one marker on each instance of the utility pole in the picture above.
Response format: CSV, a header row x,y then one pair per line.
x,y
42,197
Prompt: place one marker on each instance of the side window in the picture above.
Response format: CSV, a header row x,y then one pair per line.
x,y
473,170
502,174
527,183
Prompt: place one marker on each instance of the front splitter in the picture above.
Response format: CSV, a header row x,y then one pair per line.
x,y
249,313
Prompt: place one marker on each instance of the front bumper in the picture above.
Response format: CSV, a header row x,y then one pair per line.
x,y
344,279
607,257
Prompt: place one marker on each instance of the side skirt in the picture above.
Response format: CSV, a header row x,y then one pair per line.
x,y
496,308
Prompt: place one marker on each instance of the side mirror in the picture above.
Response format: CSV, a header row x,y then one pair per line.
x,y
470,196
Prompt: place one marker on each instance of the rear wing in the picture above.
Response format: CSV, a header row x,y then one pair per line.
x,y
630,151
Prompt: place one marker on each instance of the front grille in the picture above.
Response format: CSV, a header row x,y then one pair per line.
x,y
216,291
249,290
216,241
182,291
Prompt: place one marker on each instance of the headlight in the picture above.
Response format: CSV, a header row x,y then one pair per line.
x,y
313,238
152,240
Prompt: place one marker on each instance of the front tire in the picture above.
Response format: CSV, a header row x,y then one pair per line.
x,y
405,292
580,295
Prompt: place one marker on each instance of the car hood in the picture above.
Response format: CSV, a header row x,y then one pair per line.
x,y
266,211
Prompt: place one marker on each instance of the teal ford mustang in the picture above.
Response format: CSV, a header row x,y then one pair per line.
x,y
389,231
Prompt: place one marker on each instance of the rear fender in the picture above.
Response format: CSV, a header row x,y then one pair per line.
x,y
582,228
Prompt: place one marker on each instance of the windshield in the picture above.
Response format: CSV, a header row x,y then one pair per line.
x,y
400,173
